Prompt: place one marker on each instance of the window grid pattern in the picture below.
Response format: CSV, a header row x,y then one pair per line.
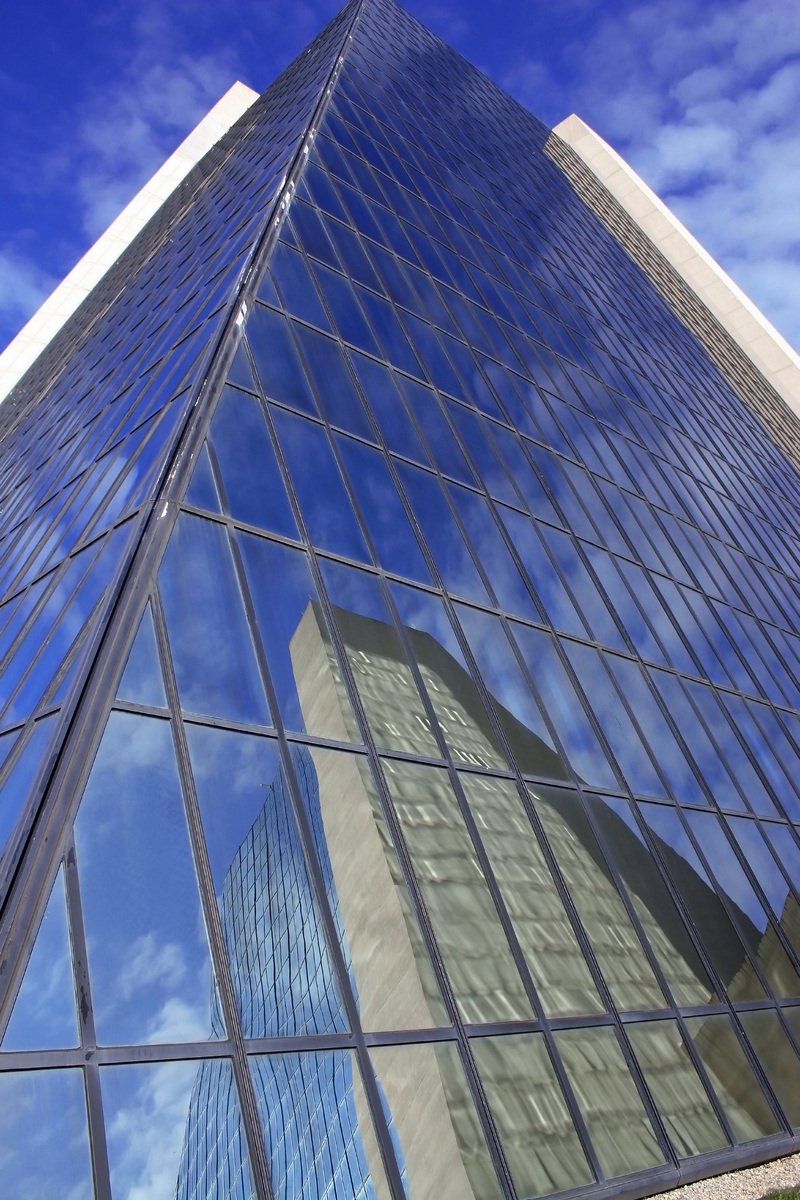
x,y
86,436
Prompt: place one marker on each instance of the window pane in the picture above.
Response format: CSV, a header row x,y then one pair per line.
x,y
141,679
382,941
516,709
597,899
612,1108
177,1127
385,516
320,489
732,1077
723,944
379,664
441,1145
148,954
277,360
676,1088
451,689
777,1058
564,706
302,661
281,966
250,476
209,638
43,1016
445,542
473,945
536,1130
319,1141
745,907
664,927
43,1134
546,937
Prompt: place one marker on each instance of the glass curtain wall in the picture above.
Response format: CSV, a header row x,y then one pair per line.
x,y
442,839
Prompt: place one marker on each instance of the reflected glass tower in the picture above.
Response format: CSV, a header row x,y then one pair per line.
x,y
400,703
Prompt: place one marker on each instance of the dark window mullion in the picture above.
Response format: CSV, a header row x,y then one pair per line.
x,y
216,937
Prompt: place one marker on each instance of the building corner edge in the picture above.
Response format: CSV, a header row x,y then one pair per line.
x,y
600,175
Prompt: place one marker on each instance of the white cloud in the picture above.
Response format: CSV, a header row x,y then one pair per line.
x,y
150,964
146,1132
23,285
124,136
704,102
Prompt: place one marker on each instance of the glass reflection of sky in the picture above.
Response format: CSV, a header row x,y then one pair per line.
x,y
148,954
44,1136
44,1011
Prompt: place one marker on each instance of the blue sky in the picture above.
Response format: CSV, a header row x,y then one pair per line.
x,y
702,98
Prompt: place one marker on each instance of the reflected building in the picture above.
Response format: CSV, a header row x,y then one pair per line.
x,y
283,977
399,643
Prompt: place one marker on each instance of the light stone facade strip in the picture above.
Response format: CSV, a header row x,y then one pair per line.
x,y
770,352
50,317
758,362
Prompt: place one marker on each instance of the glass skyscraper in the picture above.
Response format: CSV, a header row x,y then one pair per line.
x,y
400,680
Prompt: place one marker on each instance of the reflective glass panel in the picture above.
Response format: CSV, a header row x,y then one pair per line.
x,y
665,928
337,396
595,894
612,1108
442,535
380,388
777,1057
768,875
277,360
675,1086
378,661
510,693
440,1142
280,962
253,486
731,750
493,553
536,1130
563,705
540,922
732,1077
613,718
722,942
43,1015
289,270
473,945
786,848
394,982
292,627
22,775
557,603
210,642
462,716
318,1137
175,1129
385,516
141,680
320,488
744,905
43,1135
148,955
